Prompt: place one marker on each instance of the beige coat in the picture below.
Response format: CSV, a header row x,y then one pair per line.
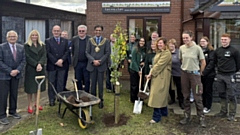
x,y
160,82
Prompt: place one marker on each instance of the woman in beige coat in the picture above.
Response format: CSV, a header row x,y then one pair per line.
x,y
160,80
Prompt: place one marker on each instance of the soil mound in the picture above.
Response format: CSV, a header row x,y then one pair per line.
x,y
109,120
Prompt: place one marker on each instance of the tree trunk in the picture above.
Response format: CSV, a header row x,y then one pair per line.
x,y
116,102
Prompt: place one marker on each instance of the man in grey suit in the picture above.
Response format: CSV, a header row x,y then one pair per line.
x,y
12,61
79,44
97,52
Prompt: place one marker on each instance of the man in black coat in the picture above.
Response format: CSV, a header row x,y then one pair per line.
x,y
80,61
57,62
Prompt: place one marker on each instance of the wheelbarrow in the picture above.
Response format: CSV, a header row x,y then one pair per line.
x,y
83,110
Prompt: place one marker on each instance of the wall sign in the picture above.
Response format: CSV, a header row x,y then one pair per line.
x,y
135,7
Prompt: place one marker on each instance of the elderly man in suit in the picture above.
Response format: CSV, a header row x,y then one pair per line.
x,y
154,37
12,61
79,44
57,62
97,52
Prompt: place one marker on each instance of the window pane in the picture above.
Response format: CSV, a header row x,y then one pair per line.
x,y
151,26
136,28
219,27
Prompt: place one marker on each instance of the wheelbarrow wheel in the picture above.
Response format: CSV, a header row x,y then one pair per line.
x,y
85,118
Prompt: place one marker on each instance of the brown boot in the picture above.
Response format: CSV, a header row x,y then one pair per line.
x,y
202,122
185,120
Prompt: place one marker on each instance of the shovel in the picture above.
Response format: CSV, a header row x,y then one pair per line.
x,y
76,89
143,94
38,131
138,103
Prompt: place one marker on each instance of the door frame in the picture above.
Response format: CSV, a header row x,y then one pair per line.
x,y
145,18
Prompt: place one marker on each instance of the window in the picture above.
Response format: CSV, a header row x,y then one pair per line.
x,y
219,27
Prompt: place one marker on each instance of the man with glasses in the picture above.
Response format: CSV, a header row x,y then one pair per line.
x,y
12,61
80,60
98,51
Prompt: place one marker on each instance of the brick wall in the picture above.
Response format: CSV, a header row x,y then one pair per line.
x,y
170,25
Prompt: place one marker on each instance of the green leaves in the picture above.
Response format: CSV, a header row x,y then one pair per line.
x,y
119,51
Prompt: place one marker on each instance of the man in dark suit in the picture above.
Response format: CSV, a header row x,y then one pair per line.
x,y
64,34
57,63
97,52
154,37
12,61
79,44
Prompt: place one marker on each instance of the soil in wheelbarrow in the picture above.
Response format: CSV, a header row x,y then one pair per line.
x,y
72,99
109,120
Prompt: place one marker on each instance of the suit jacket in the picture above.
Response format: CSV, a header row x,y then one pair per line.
x,y
57,51
75,49
102,55
7,63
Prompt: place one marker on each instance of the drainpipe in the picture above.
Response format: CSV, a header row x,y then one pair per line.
x,y
181,20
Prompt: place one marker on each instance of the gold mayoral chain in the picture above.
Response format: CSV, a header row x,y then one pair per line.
x,y
97,49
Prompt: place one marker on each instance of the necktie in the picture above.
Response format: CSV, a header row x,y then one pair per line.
x,y
14,52
58,42
98,40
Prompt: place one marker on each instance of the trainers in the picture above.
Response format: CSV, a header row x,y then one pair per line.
x,y
221,114
206,110
231,118
203,122
4,121
15,115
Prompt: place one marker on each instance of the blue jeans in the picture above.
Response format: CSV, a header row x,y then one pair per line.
x,y
158,113
80,72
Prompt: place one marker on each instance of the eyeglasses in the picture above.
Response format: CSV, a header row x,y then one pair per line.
x,y
81,31
142,40
98,30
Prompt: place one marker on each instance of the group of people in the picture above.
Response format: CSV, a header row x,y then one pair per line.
x,y
187,68
89,56
190,68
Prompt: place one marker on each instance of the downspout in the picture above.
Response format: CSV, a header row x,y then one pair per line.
x,y
181,20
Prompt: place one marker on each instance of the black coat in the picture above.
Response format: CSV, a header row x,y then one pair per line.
x,y
209,58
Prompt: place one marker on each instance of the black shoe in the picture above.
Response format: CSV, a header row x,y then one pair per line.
x,y
100,105
221,114
4,121
52,104
66,89
15,115
171,102
181,105
203,122
185,120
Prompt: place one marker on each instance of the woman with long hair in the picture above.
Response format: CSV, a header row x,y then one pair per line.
x,y
160,80
137,62
208,78
35,61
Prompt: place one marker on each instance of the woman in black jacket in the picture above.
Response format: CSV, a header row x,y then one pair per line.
x,y
209,74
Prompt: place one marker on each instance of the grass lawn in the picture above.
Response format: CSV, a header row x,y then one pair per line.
x,y
136,125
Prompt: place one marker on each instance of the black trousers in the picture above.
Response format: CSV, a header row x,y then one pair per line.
x,y
134,85
8,87
177,81
57,79
207,91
